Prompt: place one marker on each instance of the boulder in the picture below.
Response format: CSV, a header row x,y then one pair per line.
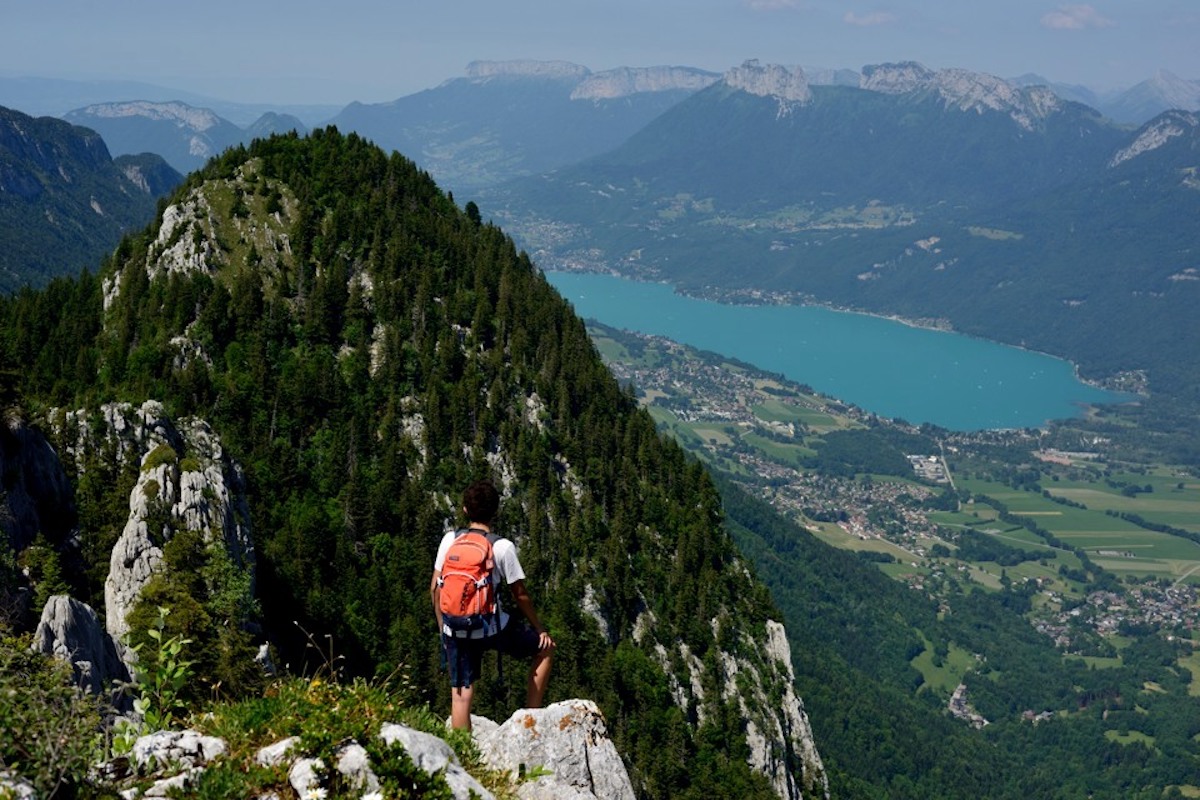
x,y
569,740
70,630
184,748
433,754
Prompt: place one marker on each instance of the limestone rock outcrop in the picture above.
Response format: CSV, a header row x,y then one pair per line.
x,y
966,90
1157,133
185,481
624,81
779,740
778,732
16,787
433,755
788,85
559,70
570,741
70,630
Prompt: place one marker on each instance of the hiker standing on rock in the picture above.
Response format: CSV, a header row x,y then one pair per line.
x,y
470,564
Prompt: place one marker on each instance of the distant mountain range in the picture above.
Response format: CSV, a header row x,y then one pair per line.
x,y
503,119
64,202
507,119
186,136
945,194
51,97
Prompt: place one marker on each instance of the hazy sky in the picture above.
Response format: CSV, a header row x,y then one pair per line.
x,y
336,51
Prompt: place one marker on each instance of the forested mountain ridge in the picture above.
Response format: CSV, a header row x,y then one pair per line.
x,y
364,348
64,202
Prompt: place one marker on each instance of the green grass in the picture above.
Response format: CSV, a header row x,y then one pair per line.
x,y
1192,664
1102,662
791,454
1113,543
1129,738
943,679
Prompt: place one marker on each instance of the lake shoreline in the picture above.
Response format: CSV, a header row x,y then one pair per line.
x,y
962,382
763,297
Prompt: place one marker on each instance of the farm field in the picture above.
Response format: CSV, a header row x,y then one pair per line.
x,y
1112,542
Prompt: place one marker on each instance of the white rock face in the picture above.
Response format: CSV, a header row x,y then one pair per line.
x,y
624,81
527,68
570,739
185,116
778,735
432,754
788,85
1169,126
70,630
790,726
186,748
965,90
907,76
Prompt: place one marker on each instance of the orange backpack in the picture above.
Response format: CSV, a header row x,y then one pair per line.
x,y
467,592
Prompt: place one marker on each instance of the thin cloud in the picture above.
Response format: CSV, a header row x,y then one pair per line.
x,y
1075,18
870,19
775,5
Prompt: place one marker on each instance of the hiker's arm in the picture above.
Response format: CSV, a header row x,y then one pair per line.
x,y
524,602
433,598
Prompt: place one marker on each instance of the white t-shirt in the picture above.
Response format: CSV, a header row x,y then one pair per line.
x,y
508,566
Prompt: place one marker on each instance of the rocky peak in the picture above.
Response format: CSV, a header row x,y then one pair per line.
x,y
625,81
965,90
190,229
1176,91
526,68
1156,133
788,85
899,78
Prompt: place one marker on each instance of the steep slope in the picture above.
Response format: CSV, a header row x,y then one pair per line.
x,y
63,201
512,118
362,348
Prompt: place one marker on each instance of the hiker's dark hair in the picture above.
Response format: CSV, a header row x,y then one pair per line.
x,y
481,501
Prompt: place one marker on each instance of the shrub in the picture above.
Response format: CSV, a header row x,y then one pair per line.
x,y
50,728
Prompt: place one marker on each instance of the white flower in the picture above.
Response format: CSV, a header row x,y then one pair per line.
x,y
373,796
316,793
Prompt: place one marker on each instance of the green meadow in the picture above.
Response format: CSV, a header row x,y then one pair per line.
x,y
1113,543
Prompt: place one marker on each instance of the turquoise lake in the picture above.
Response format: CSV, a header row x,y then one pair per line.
x,y
880,365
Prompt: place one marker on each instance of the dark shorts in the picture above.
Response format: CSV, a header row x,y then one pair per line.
x,y
464,656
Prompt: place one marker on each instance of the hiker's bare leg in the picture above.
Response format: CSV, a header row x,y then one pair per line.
x,y
460,706
539,676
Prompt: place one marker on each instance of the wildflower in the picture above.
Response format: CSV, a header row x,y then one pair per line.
x,y
316,793
373,796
